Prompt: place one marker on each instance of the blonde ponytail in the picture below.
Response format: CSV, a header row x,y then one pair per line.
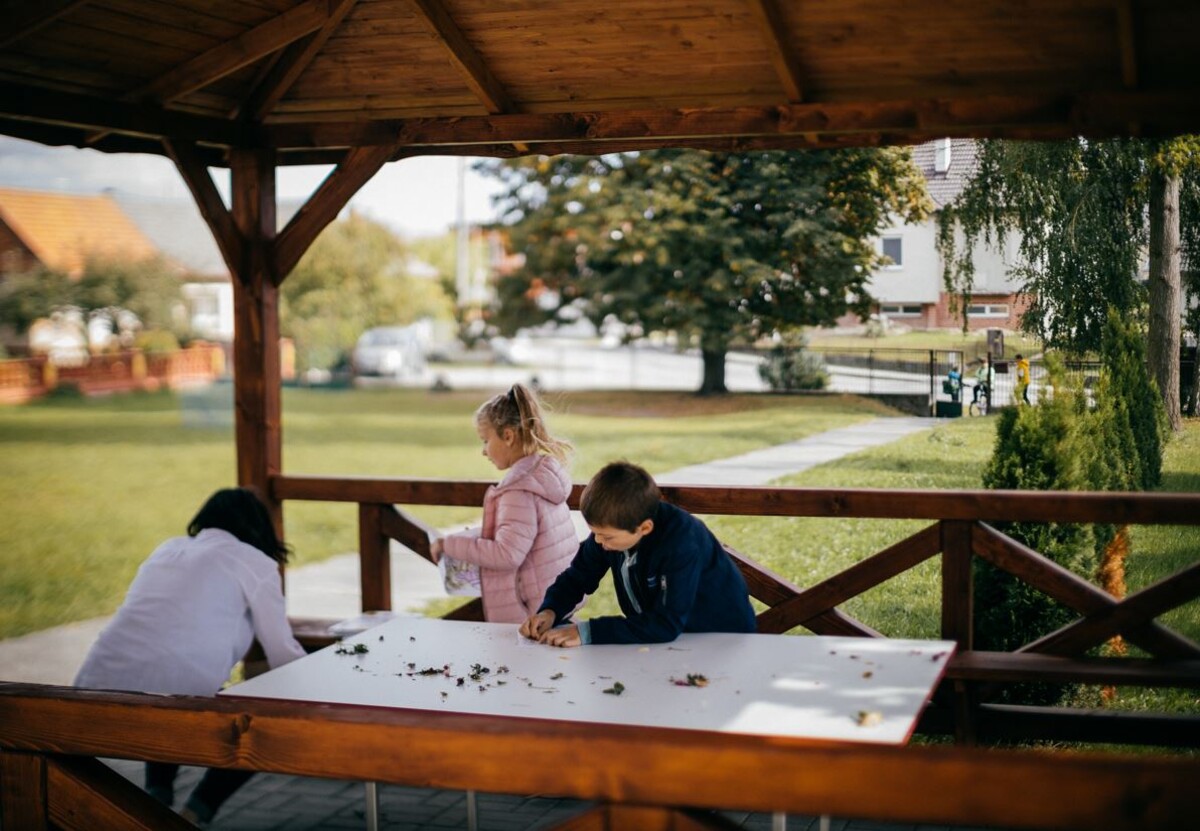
x,y
520,411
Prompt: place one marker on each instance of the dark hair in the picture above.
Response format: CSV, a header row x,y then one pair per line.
x,y
240,512
621,495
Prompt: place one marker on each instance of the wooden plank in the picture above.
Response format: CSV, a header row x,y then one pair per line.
x,y
1029,666
87,795
375,561
851,582
764,584
292,64
209,66
1127,43
770,20
359,165
975,505
23,19
23,801
1068,588
1111,726
471,610
656,767
1127,617
407,530
219,220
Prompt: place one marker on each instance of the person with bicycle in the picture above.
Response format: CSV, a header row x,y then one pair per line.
x,y
985,375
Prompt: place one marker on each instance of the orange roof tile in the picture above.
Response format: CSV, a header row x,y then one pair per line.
x,y
63,231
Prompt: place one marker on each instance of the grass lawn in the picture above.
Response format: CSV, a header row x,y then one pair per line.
x,y
91,486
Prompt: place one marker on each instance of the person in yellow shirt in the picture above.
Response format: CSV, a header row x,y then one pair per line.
x,y
1022,378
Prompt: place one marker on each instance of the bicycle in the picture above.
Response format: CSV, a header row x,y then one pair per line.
x,y
981,400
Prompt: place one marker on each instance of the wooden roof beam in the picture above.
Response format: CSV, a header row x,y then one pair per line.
x,y
220,221
243,50
355,170
85,112
1021,116
463,55
766,13
22,19
292,64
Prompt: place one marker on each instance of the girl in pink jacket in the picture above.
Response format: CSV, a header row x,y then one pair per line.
x,y
527,537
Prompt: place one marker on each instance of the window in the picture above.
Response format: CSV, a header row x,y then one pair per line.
x,y
941,155
893,248
988,310
900,309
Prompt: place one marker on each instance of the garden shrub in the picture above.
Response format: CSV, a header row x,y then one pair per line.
x,y
788,367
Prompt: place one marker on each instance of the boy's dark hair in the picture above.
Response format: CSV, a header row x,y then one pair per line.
x,y
240,512
621,495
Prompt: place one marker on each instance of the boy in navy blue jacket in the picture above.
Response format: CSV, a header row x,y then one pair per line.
x,y
670,572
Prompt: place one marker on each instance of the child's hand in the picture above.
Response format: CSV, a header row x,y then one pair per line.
x,y
435,549
562,636
536,625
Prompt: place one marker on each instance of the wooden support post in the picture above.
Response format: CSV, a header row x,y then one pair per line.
x,y
23,791
374,560
256,327
957,613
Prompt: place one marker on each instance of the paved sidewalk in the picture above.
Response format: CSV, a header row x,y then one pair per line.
x,y
331,589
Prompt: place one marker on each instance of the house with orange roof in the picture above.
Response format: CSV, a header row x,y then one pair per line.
x,y
62,231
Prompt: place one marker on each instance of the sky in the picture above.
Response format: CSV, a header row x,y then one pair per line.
x,y
416,197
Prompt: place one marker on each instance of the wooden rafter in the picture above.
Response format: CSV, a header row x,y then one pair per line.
x,y
220,221
232,55
464,56
766,13
22,19
359,165
295,59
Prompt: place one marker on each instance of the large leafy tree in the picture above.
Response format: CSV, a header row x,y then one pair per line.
x,y
354,277
1086,214
714,247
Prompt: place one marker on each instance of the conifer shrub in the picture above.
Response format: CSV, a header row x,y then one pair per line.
x,y
789,368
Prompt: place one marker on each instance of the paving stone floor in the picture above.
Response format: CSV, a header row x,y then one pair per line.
x,y
272,802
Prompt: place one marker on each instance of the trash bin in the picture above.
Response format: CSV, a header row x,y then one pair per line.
x,y
948,409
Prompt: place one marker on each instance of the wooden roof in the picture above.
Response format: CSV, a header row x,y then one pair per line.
x,y
310,78
62,230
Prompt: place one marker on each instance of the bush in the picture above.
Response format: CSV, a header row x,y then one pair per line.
x,y
157,341
788,367
1037,448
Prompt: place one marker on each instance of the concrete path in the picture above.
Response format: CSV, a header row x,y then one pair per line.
x,y
331,588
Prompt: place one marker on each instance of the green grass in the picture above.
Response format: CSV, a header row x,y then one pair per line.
x,y
91,486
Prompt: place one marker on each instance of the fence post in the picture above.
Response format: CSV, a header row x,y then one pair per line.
x,y
23,790
374,560
958,609
932,383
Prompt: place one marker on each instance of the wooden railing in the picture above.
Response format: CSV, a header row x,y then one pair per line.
x,y
29,378
642,777
960,531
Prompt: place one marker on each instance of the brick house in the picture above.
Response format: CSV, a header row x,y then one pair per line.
x,y
911,291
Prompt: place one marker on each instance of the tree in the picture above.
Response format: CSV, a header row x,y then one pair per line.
x,y
714,247
1086,213
353,278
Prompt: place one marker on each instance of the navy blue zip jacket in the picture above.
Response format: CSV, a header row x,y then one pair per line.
x,y
682,581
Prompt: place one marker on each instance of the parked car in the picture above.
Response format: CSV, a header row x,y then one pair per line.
x,y
390,351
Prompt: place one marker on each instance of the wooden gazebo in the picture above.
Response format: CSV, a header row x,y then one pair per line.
x,y
254,84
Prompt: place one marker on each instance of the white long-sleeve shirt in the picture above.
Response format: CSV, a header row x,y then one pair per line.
x,y
189,617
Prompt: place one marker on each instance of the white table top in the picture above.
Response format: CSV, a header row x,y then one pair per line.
x,y
855,689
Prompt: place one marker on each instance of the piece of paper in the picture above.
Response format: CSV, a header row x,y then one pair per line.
x,y
459,578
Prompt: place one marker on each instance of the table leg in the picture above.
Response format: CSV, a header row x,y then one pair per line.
x,y
778,821
472,814
372,806
824,822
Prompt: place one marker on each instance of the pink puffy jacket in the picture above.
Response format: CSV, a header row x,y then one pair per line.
x,y
527,538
